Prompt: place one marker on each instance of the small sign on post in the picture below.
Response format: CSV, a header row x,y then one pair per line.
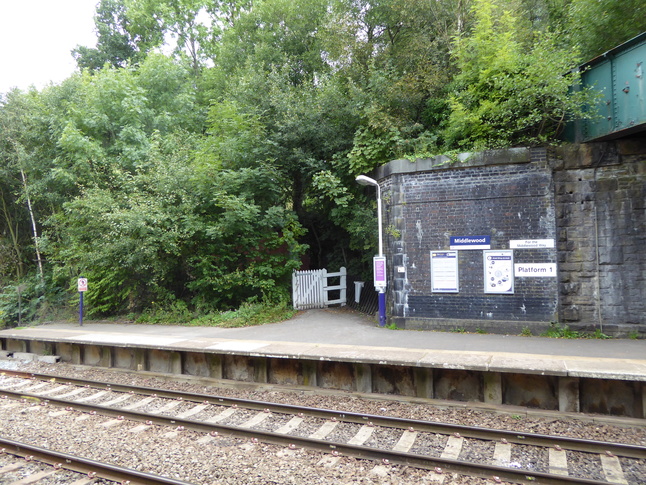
x,y
82,287
82,284
379,267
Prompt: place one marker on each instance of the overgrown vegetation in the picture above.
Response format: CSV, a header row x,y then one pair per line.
x,y
248,314
564,331
188,184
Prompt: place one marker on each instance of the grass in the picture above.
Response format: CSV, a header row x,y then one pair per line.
x,y
565,332
249,314
527,332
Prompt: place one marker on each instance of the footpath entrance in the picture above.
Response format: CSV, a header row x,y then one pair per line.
x,y
311,289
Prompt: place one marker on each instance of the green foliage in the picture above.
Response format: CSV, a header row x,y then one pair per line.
x,y
187,184
236,138
597,26
173,232
27,300
560,331
249,314
120,41
563,331
510,90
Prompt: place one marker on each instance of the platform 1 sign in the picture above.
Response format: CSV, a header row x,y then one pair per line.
x,y
535,270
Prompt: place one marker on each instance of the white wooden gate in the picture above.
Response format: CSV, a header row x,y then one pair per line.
x,y
310,289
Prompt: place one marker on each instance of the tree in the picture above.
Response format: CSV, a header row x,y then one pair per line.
x,y
174,233
397,55
191,27
597,26
510,90
14,127
120,40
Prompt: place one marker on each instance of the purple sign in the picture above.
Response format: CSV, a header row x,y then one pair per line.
x,y
379,266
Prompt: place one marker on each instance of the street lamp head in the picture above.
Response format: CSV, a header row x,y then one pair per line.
x,y
363,180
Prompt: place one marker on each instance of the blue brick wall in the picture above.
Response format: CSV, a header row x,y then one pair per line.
x,y
503,201
589,199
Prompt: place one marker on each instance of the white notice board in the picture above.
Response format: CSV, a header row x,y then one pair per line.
x,y
444,272
499,272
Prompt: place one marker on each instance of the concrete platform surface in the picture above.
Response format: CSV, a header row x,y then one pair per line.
x,y
341,334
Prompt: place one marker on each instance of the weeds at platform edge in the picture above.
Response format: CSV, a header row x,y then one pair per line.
x,y
563,331
249,314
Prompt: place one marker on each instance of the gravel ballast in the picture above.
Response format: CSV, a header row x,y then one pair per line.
x,y
201,459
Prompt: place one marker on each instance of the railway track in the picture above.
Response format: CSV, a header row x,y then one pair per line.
x,y
443,448
22,464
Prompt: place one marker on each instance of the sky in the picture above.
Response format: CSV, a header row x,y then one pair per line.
x,y
37,37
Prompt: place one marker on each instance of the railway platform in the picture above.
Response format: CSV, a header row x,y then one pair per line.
x,y
340,349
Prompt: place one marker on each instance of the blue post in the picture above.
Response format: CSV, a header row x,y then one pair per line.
x,y
81,309
382,307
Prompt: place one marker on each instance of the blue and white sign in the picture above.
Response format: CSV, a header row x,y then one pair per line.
x,y
470,242
499,272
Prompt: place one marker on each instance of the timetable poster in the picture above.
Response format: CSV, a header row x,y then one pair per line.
x,y
444,272
499,272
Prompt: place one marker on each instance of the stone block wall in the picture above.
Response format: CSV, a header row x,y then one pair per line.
x,y
601,204
588,199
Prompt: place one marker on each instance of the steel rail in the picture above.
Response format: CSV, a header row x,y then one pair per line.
x,y
440,465
92,468
524,438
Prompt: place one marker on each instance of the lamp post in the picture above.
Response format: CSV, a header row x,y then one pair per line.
x,y
379,262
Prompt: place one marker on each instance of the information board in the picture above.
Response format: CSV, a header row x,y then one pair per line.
x,y
444,272
499,272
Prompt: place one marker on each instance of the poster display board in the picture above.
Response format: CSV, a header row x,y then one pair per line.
x,y
499,272
444,272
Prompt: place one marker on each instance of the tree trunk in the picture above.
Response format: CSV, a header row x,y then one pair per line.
x,y
33,225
